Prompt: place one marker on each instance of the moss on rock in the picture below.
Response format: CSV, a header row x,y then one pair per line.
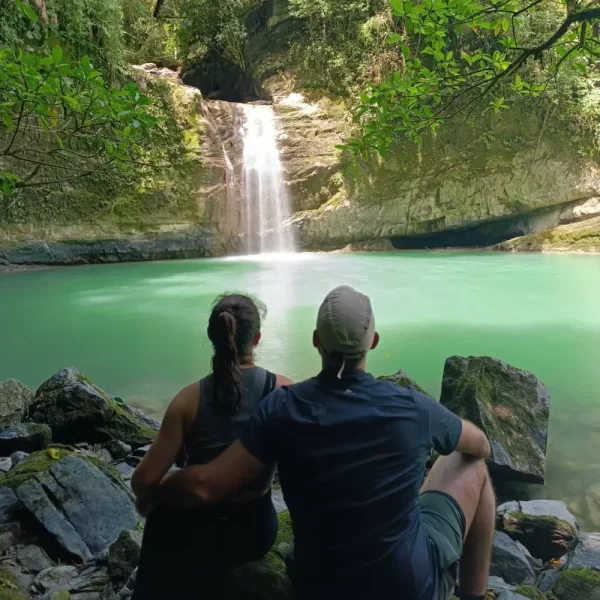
x,y
402,379
35,463
124,556
530,592
79,411
577,584
9,586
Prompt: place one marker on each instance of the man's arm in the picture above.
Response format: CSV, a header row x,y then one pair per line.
x,y
218,481
473,441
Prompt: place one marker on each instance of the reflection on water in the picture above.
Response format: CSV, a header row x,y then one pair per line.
x,y
139,330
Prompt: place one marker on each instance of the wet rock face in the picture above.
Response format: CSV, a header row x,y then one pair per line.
x,y
510,405
15,399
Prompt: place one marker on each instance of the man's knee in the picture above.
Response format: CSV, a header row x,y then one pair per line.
x,y
457,469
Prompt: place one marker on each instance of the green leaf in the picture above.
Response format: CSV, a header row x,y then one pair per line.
x,y
27,10
57,54
398,7
394,38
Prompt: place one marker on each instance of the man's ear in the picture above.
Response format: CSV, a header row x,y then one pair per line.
x,y
316,341
256,339
375,341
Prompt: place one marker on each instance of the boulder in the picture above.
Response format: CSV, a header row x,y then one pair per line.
x,y
267,578
124,556
79,411
9,505
34,559
498,585
587,553
35,463
577,584
118,449
87,585
511,596
9,586
547,579
530,591
510,562
81,506
15,399
545,527
17,457
511,406
24,437
402,379
54,577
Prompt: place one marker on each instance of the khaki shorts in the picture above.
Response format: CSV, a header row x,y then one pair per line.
x,y
445,525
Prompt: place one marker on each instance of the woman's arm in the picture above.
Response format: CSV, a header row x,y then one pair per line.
x,y
165,447
282,380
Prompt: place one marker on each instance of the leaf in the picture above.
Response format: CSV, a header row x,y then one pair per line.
x,y
27,10
60,595
398,7
57,54
139,526
54,453
394,38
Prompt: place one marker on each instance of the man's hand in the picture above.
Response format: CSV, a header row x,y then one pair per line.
x,y
218,481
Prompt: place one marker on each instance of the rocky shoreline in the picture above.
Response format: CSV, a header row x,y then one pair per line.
x,y
69,529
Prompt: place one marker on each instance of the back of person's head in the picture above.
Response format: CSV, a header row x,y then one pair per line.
x,y
234,330
345,329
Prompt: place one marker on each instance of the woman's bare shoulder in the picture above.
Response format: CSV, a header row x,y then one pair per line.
x,y
282,380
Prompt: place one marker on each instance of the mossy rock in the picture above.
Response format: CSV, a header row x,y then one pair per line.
x,y
510,405
35,463
9,586
79,411
530,592
124,556
402,379
577,584
268,578
39,462
545,527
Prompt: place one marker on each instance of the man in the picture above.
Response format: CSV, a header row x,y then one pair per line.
x,y
351,452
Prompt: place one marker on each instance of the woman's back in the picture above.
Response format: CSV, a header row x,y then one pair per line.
x,y
214,430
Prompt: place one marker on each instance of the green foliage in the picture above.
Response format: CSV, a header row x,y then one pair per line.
x,y
80,125
345,44
220,27
148,39
466,56
80,27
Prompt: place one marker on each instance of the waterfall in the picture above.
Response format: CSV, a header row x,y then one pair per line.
x,y
265,203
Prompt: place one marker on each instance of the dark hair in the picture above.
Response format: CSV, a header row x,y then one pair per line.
x,y
233,323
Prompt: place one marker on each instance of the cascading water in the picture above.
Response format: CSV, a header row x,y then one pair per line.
x,y
265,203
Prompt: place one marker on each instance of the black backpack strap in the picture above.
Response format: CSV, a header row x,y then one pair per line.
x,y
270,381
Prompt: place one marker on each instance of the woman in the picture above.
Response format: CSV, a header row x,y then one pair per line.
x,y
186,552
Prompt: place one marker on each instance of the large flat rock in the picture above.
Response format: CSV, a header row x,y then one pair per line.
x,y
80,506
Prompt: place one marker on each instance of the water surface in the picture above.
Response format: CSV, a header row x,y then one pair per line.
x,y
139,330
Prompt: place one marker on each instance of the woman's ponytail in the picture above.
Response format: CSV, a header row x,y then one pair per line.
x,y
233,324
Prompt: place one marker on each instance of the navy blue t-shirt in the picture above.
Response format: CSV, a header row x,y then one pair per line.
x,y
351,456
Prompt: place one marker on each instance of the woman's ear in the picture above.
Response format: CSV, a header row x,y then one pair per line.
x,y
256,339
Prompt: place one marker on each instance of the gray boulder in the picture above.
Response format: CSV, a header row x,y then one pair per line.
x,y
545,527
547,579
54,577
34,559
511,406
9,505
79,505
118,449
510,562
587,553
24,437
79,411
17,457
498,585
15,399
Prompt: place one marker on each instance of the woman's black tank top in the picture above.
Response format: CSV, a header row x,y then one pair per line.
x,y
212,431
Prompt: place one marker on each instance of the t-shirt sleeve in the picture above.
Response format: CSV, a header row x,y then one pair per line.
x,y
256,435
445,427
